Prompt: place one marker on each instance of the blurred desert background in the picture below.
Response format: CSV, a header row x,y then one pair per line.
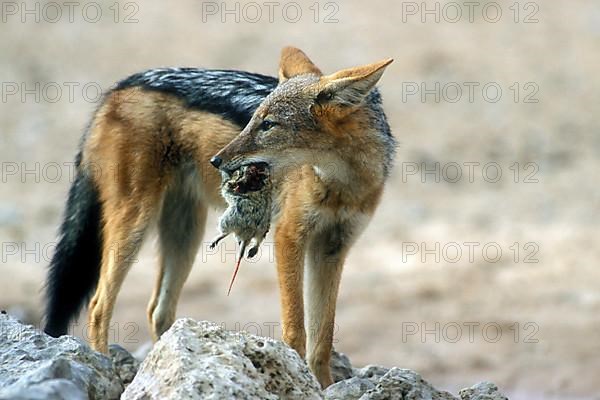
x,y
528,319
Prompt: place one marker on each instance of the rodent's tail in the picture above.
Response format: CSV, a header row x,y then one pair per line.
x,y
75,266
237,264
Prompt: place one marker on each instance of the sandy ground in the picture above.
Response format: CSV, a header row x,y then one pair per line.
x,y
425,287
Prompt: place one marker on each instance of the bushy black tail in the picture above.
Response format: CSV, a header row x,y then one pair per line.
x,y
75,266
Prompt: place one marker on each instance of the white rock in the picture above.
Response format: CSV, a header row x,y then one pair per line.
x,y
349,389
201,360
34,365
126,365
194,360
340,367
404,384
482,391
142,351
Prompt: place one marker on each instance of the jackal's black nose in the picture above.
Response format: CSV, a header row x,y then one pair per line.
x,y
216,161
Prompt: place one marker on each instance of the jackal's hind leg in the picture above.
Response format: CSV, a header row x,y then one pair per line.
x,y
180,228
123,236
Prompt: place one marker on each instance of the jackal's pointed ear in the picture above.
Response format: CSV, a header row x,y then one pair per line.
x,y
350,86
294,62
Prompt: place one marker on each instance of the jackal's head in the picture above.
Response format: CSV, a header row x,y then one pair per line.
x,y
307,118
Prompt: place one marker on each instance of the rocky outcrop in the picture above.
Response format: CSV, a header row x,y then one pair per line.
x,y
201,360
125,364
378,383
482,391
34,365
195,360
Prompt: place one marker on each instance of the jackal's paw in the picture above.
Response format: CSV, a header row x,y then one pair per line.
x,y
252,252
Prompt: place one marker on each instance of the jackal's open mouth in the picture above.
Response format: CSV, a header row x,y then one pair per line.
x,y
252,177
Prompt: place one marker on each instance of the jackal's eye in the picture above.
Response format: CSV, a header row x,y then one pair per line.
x,y
267,124
324,96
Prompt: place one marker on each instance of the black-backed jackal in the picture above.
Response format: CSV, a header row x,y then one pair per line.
x,y
146,159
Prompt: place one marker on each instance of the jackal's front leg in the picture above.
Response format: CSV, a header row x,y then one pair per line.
x,y
289,253
326,254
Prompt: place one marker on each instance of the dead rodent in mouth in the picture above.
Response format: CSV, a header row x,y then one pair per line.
x,y
248,195
249,178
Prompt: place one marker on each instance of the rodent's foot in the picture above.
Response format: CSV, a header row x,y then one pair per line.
x,y
252,252
213,244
